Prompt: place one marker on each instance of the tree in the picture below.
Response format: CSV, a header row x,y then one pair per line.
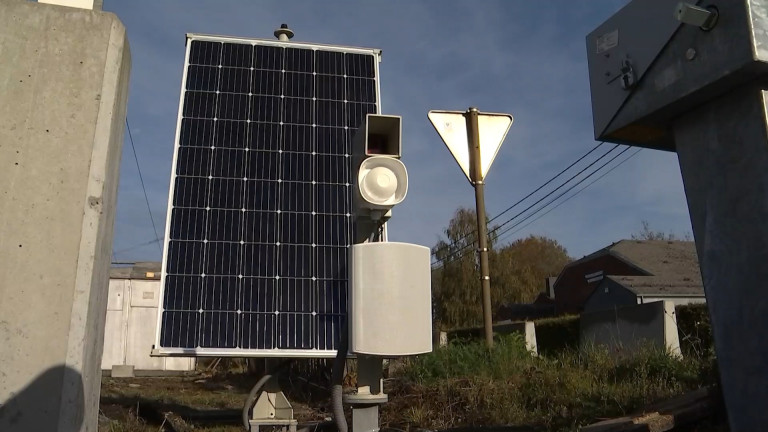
x,y
518,271
522,266
455,284
648,234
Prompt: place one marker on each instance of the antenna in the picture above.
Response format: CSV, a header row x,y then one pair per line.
x,y
284,33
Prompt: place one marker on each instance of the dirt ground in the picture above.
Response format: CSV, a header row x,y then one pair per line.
x,y
200,402
213,402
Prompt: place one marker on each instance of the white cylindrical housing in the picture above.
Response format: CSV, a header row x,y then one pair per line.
x,y
390,304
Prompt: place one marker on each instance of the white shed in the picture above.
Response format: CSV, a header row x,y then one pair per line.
x,y
134,299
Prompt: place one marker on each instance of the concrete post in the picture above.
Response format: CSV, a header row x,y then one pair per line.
x,y
63,85
723,153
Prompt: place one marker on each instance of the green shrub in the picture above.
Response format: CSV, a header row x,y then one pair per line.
x,y
468,385
469,358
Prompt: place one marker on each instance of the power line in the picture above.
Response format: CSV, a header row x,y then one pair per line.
x,y
134,247
532,193
449,259
561,185
146,198
575,193
468,245
548,182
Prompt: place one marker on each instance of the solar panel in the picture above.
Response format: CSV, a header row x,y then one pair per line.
x,y
259,220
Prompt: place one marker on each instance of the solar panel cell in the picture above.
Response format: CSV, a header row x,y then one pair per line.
x,y
261,195
205,53
258,295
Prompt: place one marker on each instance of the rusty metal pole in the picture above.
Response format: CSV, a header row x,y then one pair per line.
x,y
473,138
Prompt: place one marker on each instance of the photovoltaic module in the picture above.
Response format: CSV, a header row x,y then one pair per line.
x,y
259,215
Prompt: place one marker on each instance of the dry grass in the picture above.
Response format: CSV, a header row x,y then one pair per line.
x,y
462,385
152,404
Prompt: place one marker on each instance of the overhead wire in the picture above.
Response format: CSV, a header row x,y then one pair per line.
x,y
564,193
534,191
559,187
574,194
458,254
137,246
563,184
143,187
548,181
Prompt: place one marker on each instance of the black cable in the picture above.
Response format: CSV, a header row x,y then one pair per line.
x,y
564,192
558,188
530,194
128,249
468,245
550,201
576,193
548,181
337,379
146,198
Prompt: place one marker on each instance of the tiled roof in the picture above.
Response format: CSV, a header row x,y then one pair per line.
x,y
660,257
661,285
673,267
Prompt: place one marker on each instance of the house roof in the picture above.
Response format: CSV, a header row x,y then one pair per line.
x,y
661,286
660,257
138,270
671,267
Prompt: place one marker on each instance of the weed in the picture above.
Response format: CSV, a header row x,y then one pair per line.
x,y
468,385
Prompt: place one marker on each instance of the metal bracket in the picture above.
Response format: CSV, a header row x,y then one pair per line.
x,y
272,407
628,78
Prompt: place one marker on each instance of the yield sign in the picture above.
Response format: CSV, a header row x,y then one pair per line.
x,y
452,127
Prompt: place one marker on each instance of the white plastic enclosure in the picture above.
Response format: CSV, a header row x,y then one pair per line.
x,y
390,304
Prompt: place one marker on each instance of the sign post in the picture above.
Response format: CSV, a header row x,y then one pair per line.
x,y
474,138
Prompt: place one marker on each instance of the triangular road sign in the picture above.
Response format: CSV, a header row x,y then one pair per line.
x,y
452,128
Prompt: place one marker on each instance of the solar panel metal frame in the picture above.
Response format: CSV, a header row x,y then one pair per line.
x,y
159,350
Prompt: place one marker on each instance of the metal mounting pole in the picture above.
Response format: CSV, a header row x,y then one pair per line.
x,y
723,151
370,394
473,138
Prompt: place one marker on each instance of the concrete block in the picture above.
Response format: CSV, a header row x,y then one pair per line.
x,y
442,339
525,328
64,85
628,328
123,371
439,339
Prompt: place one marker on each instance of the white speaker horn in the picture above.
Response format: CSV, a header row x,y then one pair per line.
x,y
382,182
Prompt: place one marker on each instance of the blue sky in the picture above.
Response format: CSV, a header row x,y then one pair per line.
x,y
521,57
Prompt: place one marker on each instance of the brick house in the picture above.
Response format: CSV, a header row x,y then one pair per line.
x,y
630,272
